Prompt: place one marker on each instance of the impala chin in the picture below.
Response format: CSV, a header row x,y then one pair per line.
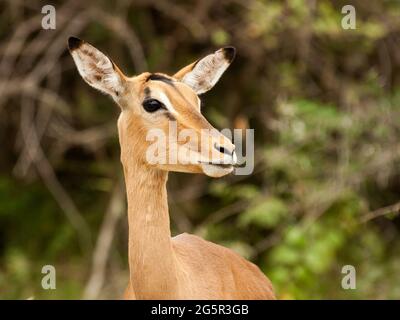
x,y
216,170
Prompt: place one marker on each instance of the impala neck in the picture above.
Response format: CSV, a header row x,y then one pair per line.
x,y
152,263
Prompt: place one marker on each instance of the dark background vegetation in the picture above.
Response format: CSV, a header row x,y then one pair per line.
x,y
324,103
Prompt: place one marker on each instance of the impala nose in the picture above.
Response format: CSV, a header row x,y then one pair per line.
x,y
229,151
224,150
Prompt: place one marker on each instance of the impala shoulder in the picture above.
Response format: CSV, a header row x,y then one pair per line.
x,y
188,239
203,247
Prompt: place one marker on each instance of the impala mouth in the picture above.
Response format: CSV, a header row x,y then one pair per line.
x,y
218,164
221,168
225,165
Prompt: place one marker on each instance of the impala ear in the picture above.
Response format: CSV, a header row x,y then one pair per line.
x,y
203,74
96,68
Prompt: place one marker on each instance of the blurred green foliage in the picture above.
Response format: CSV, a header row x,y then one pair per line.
x,y
325,106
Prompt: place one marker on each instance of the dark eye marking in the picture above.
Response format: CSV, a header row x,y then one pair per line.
x,y
152,105
170,116
147,92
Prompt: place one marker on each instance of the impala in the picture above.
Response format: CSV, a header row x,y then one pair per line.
x,y
161,266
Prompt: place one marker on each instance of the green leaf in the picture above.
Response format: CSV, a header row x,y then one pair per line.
x,y
266,214
220,37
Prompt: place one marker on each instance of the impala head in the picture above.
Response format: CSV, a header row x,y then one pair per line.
x,y
154,104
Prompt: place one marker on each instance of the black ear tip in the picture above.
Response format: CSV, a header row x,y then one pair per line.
x,y
229,53
74,43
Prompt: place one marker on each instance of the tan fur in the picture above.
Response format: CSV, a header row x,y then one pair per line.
x,y
182,267
161,266
185,266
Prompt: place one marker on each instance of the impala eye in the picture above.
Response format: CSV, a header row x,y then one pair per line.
x,y
152,105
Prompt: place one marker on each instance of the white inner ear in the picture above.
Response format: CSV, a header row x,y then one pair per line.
x,y
206,72
97,69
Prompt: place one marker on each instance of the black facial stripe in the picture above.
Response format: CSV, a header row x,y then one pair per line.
x,y
160,77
